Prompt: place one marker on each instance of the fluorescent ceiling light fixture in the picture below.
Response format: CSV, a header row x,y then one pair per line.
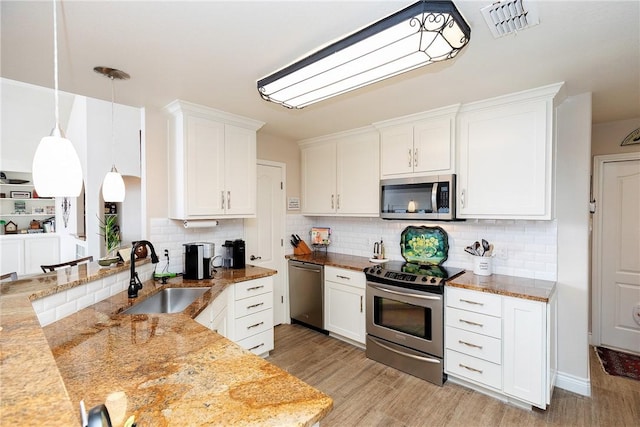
x,y
423,33
56,166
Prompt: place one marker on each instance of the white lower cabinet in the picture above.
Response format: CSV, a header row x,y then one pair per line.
x,y
502,344
251,315
243,313
214,316
344,304
25,254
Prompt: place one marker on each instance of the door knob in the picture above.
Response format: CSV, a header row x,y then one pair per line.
x,y
253,257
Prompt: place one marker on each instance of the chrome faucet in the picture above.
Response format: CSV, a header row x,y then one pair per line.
x,y
134,282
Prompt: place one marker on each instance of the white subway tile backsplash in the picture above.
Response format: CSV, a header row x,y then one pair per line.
x,y
530,246
54,307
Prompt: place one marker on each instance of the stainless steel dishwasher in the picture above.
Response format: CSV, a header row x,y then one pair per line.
x,y
306,289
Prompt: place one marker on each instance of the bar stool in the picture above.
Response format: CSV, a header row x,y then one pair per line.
x,y
53,267
11,276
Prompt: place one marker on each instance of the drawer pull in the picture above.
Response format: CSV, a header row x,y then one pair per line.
x,y
255,288
249,307
256,325
468,322
471,302
469,368
470,345
256,346
343,277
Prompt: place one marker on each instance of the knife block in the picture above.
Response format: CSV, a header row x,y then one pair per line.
x,y
301,249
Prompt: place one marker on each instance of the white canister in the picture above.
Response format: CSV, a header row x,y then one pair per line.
x,y
482,266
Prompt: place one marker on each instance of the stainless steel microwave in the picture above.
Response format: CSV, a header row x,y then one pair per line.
x,y
421,198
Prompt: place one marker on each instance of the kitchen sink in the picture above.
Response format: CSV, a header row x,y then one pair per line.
x,y
169,300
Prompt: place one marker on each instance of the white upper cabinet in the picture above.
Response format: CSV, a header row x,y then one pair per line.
x,y
419,144
340,174
505,156
212,163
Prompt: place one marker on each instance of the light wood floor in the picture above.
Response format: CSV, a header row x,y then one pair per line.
x,y
367,393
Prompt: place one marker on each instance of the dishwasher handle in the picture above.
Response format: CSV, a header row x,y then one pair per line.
x,y
310,270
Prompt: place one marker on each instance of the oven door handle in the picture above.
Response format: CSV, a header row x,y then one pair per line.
x,y
401,353
406,294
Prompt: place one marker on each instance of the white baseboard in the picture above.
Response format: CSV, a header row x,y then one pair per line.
x,y
574,384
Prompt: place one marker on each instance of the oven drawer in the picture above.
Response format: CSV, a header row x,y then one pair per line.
x,y
474,322
479,302
345,277
472,368
482,346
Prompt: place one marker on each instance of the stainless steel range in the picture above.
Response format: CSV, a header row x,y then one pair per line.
x,y
405,317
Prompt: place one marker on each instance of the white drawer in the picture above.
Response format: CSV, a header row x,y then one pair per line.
x,y
259,343
253,287
346,277
253,324
253,304
479,302
471,368
473,344
474,322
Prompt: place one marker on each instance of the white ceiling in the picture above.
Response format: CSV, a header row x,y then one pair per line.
x,y
213,52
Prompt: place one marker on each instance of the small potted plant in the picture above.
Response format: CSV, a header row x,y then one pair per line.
x,y
110,232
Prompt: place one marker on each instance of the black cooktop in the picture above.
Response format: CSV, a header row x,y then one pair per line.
x,y
429,278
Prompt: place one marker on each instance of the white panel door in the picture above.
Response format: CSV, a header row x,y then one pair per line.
x,y
204,167
319,178
12,256
620,251
240,170
265,233
40,251
396,150
432,146
358,184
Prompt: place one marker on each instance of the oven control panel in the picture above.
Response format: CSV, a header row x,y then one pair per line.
x,y
382,275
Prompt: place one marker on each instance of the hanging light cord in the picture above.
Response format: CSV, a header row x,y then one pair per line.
x,y
113,133
55,63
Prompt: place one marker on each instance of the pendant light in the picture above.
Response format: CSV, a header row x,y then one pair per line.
x,y
113,185
56,167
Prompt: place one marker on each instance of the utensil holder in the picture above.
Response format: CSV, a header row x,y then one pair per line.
x,y
482,266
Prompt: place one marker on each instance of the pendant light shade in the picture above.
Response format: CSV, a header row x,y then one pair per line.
x,y
113,186
56,167
113,189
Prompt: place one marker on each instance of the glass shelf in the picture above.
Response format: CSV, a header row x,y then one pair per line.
x,y
25,214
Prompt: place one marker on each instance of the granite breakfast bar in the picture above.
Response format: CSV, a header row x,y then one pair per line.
x,y
166,369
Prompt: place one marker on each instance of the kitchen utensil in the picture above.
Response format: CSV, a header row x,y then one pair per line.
x,y
471,251
476,247
293,243
376,250
485,247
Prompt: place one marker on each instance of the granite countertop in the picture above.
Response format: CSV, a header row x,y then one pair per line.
x,y
349,262
518,287
166,369
511,286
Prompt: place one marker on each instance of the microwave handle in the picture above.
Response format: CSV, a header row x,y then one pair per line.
x,y
434,198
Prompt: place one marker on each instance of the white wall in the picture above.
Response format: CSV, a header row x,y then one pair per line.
x,y
27,115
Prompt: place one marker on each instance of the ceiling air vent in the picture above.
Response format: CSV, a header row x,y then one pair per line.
x,y
510,16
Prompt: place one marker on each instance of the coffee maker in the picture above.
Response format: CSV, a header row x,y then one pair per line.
x,y
193,267
233,254
238,253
